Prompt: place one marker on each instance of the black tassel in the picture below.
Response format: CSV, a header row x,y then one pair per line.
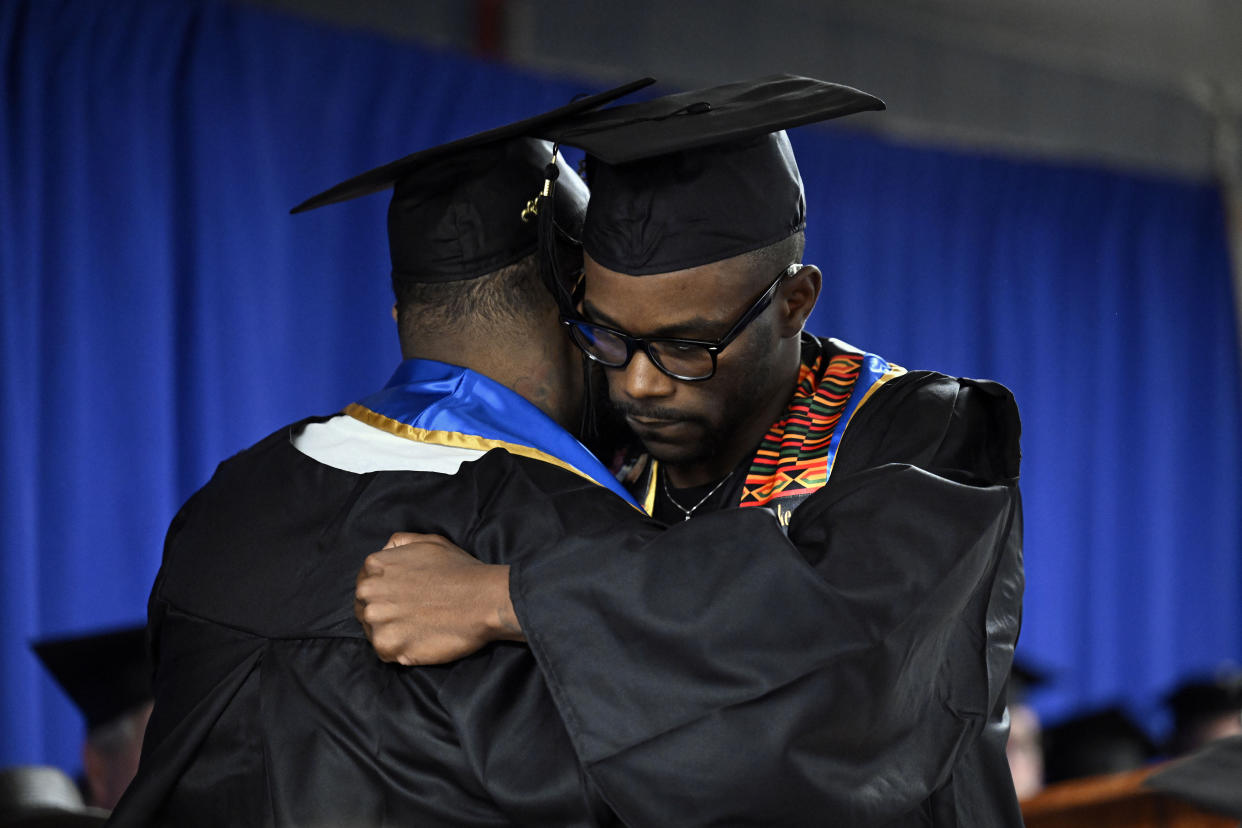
x,y
551,241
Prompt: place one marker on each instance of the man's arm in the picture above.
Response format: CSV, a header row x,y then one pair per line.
x,y
424,600
721,670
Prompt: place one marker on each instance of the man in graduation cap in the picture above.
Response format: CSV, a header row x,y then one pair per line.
x,y
824,632
270,706
108,676
1205,708
1096,742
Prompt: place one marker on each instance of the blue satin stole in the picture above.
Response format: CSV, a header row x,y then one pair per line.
x,y
434,402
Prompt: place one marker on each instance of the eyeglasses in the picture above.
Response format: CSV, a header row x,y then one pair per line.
x,y
690,360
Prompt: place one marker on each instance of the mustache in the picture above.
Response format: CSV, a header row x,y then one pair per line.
x,y
653,412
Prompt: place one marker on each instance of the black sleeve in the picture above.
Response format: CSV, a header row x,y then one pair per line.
x,y
721,673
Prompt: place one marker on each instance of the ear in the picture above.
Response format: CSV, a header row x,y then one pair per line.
x,y
797,299
394,313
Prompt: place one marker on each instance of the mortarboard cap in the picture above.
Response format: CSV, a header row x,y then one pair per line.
x,y
1206,696
1205,708
106,674
457,208
1210,778
1098,742
697,177
1024,677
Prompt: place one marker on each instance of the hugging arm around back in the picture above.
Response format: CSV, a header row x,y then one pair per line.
x,y
723,673
271,707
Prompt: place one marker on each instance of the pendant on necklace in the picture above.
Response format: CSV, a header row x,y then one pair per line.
x,y
702,500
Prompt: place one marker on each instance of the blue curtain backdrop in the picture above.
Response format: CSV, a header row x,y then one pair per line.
x,y
161,310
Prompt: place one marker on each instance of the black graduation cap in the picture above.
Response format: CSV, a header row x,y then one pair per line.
x,y
1097,742
457,208
1024,677
106,674
1199,704
693,178
1210,778
1206,696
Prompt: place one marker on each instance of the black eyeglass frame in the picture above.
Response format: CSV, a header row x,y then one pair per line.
x,y
634,343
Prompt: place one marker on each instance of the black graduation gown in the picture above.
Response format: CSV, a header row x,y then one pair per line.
x,y
271,708
852,673
716,674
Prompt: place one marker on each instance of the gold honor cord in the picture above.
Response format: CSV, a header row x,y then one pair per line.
x,y
456,439
650,495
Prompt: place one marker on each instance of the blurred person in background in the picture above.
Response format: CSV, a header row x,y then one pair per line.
x,y
108,677
1205,708
1025,748
1210,777
1095,743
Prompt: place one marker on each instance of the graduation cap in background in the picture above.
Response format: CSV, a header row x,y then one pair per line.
x,y
1024,678
1097,742
693,178
1207,695
457,208
1210,778
1201,704
105,674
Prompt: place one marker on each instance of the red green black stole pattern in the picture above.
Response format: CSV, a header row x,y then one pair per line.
x,y
795,458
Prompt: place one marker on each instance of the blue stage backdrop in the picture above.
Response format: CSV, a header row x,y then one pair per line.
x,y
161,310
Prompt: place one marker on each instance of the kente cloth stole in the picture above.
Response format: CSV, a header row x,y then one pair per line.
x,y
795,458
434,402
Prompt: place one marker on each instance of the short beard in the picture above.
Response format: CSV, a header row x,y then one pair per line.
x,y
755,385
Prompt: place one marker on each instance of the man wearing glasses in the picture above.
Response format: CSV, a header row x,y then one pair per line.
x,y
828,640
